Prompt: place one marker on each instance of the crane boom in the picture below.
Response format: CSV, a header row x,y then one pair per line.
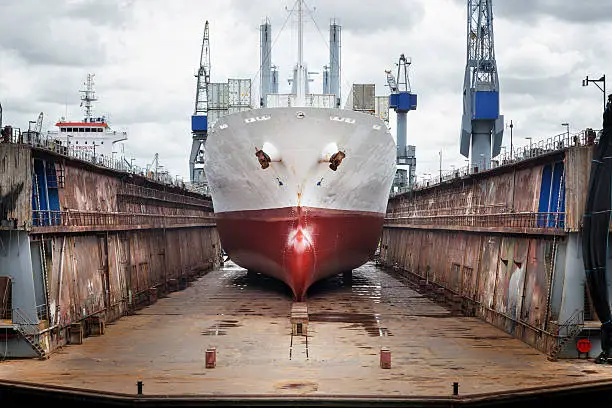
x,y
203,75
199,119
39,121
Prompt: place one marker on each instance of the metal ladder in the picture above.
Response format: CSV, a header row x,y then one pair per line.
x,y
574,325
29,331
43,253
559,199
37,220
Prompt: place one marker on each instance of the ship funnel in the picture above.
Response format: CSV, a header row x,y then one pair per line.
x,y
265,31
334,60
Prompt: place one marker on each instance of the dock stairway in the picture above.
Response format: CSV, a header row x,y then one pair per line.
x,y
29,330
573,326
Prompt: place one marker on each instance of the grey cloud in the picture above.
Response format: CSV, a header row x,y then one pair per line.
x,y
51,33
549,89
583,11
522,11
358,17
114,13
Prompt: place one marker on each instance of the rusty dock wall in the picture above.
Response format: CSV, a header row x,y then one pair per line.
x,y
82,244
503,245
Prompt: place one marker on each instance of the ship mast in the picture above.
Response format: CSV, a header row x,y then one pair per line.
x,y
88,97
301,75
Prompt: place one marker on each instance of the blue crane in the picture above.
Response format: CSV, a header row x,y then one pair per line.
x,y
402,100
199,122
481,122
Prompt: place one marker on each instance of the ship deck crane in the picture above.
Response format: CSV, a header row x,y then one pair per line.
x,y
481,121
199,122
402,100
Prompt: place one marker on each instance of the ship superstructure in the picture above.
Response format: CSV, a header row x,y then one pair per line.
x,y
92,134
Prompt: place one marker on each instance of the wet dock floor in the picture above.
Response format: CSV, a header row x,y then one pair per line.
x,y
246,319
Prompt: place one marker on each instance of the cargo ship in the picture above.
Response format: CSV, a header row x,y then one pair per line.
x,y
299,185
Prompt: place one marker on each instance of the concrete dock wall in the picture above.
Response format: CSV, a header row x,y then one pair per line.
x,y
506,242
82,245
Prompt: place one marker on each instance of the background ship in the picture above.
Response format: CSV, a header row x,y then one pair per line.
x,y
300,186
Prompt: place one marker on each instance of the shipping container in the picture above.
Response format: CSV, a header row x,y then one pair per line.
x,y
239,92
363,97
218,95
382,107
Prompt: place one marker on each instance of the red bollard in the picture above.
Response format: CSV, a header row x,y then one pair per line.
x,y
211,357
385,357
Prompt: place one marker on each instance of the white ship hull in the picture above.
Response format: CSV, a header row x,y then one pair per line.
x,y
298,220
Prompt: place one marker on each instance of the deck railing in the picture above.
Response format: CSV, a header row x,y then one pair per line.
x,y
44,218
144,192
521,220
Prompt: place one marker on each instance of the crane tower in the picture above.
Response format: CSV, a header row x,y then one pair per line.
x,y
402,100
199,122
481,123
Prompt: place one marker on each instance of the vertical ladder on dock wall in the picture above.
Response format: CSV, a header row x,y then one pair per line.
x,y
43,314
59,174
36,210
560,200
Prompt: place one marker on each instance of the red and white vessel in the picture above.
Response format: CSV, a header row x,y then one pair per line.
x,y
93,134
300,193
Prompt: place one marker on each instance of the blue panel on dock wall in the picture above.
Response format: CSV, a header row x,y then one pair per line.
x,y
54,205
543,205
40,188
486,105
199,123
557,196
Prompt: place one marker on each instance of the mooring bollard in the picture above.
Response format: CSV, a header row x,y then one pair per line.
x,y
139,387
211,357
455,388
385,357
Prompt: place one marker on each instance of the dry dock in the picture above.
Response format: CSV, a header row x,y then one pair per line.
x,y
247,320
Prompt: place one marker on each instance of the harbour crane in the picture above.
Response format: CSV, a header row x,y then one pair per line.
x,y
39,121
402,100
199,119
481,122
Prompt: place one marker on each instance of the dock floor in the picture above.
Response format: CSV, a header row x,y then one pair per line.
x,y
247,320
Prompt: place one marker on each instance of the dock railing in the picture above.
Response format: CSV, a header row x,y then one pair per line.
x,y
502,220
52,142
587,137
72,218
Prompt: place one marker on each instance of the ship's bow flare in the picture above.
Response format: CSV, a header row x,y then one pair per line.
x,y
299,194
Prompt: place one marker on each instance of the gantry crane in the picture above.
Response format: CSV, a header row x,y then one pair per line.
x,y
199,122
402,100
481,120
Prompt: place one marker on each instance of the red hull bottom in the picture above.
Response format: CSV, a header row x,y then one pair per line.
x,y
299,245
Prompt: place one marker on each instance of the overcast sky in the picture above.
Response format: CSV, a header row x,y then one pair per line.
x,y
144,54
